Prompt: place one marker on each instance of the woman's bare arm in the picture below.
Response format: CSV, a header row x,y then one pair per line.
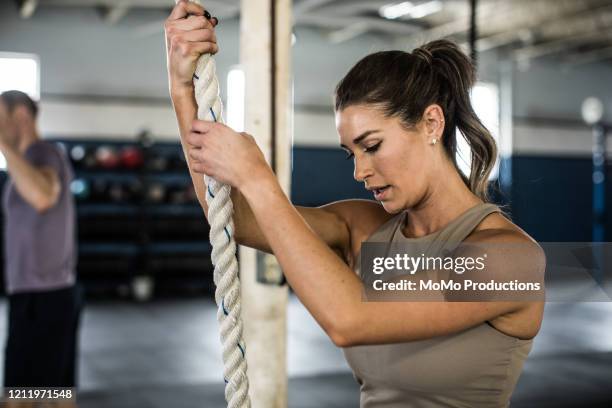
x,y
333,294
330,223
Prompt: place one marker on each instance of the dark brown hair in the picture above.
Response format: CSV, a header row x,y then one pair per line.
x,y
12,99
404,84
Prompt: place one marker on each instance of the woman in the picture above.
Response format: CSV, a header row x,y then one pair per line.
x,y
396,114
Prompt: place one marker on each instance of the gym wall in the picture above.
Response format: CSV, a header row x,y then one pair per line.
x,y
86,82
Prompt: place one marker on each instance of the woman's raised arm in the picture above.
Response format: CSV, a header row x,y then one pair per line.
x,y
190,34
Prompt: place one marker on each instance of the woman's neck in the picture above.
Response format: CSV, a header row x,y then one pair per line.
x,y
443,203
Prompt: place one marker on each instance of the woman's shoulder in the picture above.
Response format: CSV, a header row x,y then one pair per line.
x,y
360,214
507,241
362,218
496,227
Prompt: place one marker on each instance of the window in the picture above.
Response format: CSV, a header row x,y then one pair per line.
x,y
235,98
20,72
485,101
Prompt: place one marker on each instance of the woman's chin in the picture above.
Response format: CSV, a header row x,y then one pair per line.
x,y
391,207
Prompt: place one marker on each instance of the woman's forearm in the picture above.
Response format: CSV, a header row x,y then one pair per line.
x,y
186,110
185,107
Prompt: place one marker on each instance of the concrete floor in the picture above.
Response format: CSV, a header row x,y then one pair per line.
x,y
167,353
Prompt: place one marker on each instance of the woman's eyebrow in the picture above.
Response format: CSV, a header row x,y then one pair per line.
x,y
362,136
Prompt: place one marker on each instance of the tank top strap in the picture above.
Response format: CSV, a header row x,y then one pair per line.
x,y
451,236
385,232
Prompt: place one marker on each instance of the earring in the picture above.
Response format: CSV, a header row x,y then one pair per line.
x,y
433,141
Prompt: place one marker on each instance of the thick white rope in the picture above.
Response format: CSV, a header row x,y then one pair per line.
x,y
220,210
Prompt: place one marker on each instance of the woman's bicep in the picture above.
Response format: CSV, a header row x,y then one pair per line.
x,y
336,224
348,222
328,226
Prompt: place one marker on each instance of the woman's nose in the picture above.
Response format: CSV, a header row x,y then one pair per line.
x,y
362,170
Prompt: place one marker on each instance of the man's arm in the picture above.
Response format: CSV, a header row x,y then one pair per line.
x,y
39,186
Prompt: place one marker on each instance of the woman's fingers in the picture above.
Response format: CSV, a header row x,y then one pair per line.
x,y
192,23
188,49
203,35
195,153
194,140
199,130
204,48
197,163
198,168
218,151
203,126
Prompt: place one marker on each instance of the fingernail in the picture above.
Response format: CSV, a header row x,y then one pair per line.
x,y
216,21
207,15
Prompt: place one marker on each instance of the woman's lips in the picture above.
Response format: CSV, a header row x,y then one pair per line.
x,y
380,193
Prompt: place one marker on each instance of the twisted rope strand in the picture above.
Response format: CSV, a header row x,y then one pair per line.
x,y
220,210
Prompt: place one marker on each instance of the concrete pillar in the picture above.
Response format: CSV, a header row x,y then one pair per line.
x,y
265,56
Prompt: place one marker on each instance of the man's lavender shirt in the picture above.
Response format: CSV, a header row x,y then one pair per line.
x,y
40,248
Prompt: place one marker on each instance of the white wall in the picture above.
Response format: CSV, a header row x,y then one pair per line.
x,y
123,121
104,120
315,129
554,140
82,55
552,90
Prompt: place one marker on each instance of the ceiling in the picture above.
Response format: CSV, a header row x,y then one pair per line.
x,y
577,31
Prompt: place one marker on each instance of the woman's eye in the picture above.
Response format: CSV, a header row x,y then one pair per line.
x,y
349,156
372,148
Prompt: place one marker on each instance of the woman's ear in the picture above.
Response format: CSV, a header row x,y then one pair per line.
x,y
433,119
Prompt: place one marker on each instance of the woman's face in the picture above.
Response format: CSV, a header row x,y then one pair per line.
x,y
393,162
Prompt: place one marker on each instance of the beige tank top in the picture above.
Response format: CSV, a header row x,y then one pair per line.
x,y
478,367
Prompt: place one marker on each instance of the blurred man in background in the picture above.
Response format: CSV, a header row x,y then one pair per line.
x,y
40,252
